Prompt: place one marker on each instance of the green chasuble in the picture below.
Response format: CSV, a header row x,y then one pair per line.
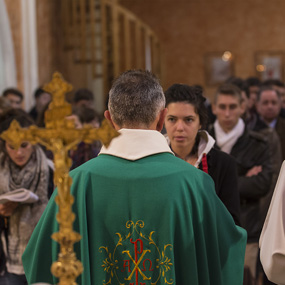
x,y
152,220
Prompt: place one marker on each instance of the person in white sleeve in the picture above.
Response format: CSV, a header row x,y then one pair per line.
x,y
272,239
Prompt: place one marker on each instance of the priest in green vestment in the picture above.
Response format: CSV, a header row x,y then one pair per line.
x,y
145,216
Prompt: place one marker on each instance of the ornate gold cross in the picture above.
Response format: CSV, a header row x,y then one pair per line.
x,y
60,136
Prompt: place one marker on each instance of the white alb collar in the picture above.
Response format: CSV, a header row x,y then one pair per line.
x,y
134,144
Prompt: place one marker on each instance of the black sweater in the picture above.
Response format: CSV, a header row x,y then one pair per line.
x,y
222,169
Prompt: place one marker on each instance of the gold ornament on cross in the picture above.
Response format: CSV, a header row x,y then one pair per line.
x,y
60,136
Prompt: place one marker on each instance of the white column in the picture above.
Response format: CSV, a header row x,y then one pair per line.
x,y
30,51
8,77
148,54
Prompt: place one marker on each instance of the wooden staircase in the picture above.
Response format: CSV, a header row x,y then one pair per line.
x,y
109,37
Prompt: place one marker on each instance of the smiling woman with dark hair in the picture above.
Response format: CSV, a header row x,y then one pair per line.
x,y
24,168
185,123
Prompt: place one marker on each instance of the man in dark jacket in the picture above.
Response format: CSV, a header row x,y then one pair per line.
x,y
250,151
268,106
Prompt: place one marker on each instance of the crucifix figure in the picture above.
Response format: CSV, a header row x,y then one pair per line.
x,y
60,136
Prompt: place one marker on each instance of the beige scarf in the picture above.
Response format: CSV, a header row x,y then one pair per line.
x,y
34,176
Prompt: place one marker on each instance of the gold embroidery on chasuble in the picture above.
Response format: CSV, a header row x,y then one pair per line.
x,y
137,257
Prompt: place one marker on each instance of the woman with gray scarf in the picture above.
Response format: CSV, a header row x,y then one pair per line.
x,y
23,168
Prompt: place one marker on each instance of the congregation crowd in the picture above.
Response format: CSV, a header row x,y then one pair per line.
x,y
237,137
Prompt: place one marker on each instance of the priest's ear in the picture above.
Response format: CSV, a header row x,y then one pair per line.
x,y
161,119
107,115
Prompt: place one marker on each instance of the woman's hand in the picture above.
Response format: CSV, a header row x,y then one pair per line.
x,y
8,208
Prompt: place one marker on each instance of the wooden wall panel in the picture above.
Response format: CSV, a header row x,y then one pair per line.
x,y
14,12
190,28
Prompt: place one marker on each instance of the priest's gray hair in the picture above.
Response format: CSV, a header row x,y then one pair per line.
x,y
135,99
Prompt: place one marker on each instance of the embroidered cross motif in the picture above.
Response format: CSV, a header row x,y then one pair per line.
x,y
138,259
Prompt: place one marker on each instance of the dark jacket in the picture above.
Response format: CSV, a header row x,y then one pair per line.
x,y
34,113
280,129
250,150
275,152
4,229
222,169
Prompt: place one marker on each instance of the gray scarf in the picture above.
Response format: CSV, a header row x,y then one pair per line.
x,y
34,176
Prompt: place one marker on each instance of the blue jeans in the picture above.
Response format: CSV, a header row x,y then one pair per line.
x,y
13,279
